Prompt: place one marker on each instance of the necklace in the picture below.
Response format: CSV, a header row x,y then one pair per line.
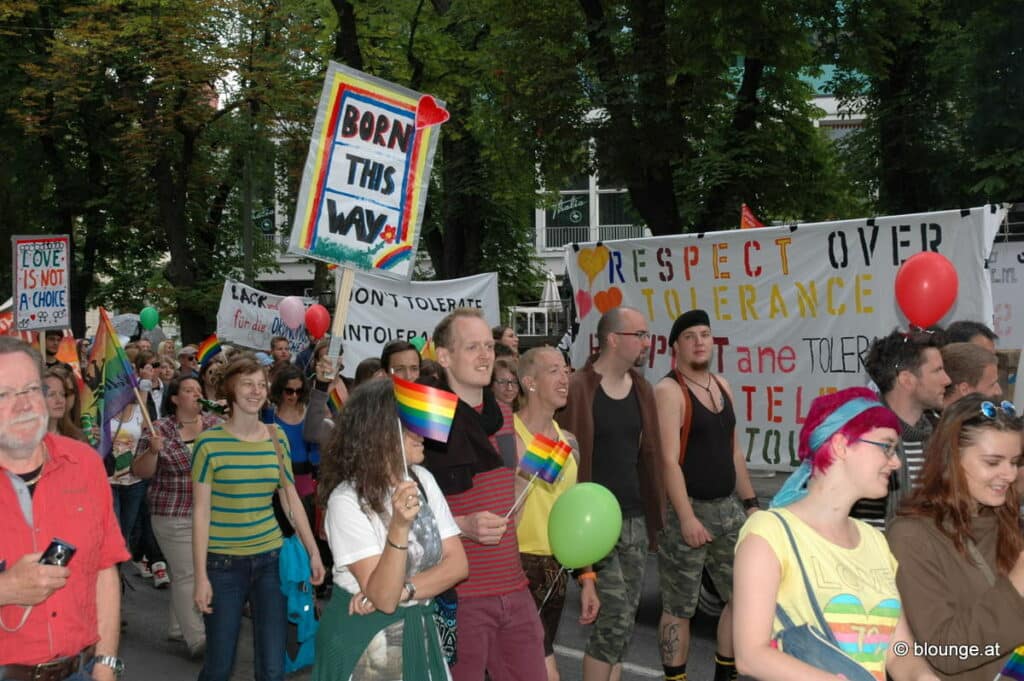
x,y
707,388
188,423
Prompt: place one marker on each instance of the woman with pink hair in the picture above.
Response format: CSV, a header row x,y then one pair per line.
x,y
814,590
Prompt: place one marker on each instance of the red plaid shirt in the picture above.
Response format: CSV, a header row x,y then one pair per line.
x,y
170,489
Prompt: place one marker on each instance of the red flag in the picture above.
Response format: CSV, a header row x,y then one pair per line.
x,y
747,218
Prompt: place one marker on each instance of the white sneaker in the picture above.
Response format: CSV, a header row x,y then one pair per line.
x,y
160,577
143,567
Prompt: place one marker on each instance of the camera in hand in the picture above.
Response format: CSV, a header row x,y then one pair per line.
x,y
58,553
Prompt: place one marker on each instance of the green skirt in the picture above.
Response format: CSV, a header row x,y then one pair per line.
x,y
343,639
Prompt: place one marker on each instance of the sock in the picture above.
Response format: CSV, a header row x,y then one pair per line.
x,y
725,668
675,673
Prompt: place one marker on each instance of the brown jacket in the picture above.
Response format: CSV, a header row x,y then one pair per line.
x,y
948,600
578,417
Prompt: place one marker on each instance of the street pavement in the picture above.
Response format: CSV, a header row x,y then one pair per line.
x,y
149,656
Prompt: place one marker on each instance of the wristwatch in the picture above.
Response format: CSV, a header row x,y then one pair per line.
x,y
411,588
114,663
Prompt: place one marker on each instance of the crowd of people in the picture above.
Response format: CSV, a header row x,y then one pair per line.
x,y
895,549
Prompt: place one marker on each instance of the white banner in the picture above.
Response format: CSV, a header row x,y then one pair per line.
x,y
383,309
793,309
249,317
1006,267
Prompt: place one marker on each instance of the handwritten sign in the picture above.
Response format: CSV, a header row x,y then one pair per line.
x,y
382,310
249,317
41,270
793,309
365,181
1006,268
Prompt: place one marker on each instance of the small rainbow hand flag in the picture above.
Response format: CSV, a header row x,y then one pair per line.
x,y
207,350
544,458
334,401
1014,668
424,410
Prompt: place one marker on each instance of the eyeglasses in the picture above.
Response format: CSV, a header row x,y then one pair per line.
x,y
888,448
293,391
507,382
34,391
642,335
989,409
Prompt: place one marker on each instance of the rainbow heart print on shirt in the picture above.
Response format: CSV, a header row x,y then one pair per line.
x,y
863,634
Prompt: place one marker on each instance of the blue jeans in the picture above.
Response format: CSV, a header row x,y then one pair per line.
x,y
128,501
235,580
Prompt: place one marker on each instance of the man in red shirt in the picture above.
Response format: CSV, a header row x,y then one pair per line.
x,y
58,622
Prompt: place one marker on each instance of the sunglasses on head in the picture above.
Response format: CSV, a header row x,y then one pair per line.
x,y
990,411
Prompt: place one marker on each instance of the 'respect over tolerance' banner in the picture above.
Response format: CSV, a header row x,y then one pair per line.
x,y
364,185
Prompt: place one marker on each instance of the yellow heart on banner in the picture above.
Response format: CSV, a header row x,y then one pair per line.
x,y
592,261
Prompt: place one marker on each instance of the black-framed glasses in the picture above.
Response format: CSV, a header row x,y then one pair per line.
x,y
293,391
888,448
642,335
990,411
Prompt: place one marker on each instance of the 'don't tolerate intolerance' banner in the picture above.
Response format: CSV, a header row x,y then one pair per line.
x,y
364,186
793,309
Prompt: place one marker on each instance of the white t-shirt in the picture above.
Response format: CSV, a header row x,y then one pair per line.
x,y
355,534
125,436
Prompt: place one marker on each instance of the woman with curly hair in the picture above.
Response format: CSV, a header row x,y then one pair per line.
x,y
395,547
959,543
848,451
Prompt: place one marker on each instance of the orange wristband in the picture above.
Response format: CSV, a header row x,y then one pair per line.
x,y
591,575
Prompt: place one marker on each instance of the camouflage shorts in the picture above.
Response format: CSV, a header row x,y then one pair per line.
x,y
620,581
680,566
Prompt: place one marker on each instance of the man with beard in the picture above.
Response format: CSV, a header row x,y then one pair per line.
x,y
499,630
612,412
709,492
909,373
61,622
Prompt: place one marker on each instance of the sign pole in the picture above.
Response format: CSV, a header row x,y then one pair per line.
x,y
343,284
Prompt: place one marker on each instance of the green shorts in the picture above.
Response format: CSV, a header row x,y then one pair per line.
x,y
680,565
620,582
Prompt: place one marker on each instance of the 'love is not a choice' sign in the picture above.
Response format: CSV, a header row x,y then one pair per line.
x,y
41,270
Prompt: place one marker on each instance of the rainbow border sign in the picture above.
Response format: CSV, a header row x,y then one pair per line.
x,y
365,182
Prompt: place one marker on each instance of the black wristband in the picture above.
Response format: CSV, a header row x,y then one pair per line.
x,y
750,503
322,386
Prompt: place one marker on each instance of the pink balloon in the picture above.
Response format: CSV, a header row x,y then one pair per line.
x,y
292,311
317,321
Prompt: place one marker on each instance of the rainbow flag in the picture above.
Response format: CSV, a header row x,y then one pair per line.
x,y
425,410
207,350
334,401
544,458
111,378
1014,668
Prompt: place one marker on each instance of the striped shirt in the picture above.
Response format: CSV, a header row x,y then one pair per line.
x,y
496,569
243,477
873,511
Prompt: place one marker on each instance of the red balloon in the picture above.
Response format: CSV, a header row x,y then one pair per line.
x,y
926,287
317,321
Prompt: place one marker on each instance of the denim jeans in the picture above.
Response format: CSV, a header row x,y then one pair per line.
x,y
235,580
128,501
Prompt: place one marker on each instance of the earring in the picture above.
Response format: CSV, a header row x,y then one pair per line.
x,y
532,389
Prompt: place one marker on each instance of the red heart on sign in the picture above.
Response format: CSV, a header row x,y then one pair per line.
x,y
429,113
606,300
32,317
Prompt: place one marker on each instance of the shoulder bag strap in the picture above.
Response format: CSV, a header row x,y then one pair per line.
x,y
972,549
825,630
684,429
285,502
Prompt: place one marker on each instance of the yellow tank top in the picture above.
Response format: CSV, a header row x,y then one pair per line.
x,y
532,530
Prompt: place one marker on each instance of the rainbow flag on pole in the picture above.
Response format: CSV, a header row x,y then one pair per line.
x,y
544,458
207,350
425,410
112,379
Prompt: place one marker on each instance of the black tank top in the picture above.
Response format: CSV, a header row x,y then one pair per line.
x,y
709,468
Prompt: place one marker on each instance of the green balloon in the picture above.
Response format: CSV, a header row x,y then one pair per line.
x,y
584,525
149,318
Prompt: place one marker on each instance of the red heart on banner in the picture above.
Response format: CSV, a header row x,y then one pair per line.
x,y
32,317
606,300
429,113
583,303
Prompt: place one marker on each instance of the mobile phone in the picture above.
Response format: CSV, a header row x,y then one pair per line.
x,y
59,553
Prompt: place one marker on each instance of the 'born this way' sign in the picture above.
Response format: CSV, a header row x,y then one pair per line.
x,y
365,182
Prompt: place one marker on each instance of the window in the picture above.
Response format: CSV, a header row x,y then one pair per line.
x,y
586,212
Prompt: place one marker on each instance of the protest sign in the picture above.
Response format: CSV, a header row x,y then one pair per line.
x,y
364,185
1006,268
249,317
41,270
382,309
793,309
